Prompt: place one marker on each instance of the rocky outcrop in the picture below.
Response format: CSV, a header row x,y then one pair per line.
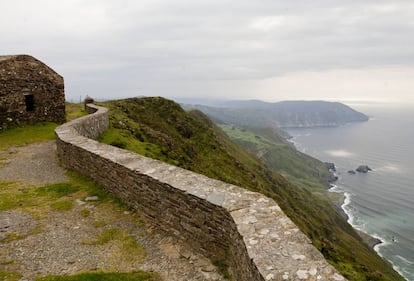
x,y
330,166
363,169
368,239
245,229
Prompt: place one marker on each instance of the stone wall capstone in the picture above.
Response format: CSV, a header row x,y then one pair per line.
x,y
245,229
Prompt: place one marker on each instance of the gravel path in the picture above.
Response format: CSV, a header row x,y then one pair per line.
x,y
55,242
34,164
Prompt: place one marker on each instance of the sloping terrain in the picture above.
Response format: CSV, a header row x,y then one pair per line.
x,y
161,129
281,156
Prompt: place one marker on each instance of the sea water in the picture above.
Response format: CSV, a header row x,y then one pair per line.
x,y
381,202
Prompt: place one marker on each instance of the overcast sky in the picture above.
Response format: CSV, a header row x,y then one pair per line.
x,y
264,49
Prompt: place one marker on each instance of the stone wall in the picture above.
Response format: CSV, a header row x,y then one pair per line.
x,y
244,229
30,92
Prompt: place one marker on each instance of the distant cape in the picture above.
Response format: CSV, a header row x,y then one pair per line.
x,y
285,114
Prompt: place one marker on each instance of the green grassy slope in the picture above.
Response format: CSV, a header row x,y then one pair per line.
x,y
103,276
281,156
159,128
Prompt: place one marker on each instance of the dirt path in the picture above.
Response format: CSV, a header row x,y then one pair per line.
x,y
62,242
35,164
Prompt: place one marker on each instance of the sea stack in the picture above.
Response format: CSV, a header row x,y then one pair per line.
x,y
363,169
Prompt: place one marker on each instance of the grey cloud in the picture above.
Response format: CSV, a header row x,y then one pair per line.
x,y
108,47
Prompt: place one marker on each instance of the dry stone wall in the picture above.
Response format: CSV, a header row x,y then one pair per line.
x,y
245,229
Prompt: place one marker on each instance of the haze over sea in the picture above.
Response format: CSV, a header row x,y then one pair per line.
x,y
380,202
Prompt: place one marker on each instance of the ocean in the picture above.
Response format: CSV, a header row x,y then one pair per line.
x,y
381,202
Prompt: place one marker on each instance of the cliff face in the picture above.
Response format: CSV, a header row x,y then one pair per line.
x,y
160,129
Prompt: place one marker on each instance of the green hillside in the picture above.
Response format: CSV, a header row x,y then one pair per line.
x,y
281,156
161,129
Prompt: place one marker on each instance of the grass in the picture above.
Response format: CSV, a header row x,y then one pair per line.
x,y
239,133
58,190
106,236
85,213
280,156
75,110
160,129
223,268
42,131
99,223
90,188
124,247
62,205
9,276
14,195
104,276
128,242
24,135
12,236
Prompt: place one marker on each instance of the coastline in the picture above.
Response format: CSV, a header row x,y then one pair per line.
x,y
340,200
368,239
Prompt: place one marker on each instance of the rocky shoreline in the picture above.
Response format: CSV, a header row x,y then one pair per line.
x,y
338,200
368,239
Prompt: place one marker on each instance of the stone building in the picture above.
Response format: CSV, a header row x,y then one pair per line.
x,y
30,92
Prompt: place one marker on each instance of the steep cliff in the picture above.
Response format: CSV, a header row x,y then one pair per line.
x,y
160,129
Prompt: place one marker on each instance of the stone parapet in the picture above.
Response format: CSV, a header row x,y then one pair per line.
x,y
244,229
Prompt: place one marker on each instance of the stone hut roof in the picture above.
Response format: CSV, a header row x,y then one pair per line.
x,y
27,68
5,58
30,92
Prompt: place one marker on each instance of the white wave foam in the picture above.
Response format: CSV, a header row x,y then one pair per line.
x,y
353,220
296,144
351,212
384,243
340,153
334,188
347,201
348,211
397,268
